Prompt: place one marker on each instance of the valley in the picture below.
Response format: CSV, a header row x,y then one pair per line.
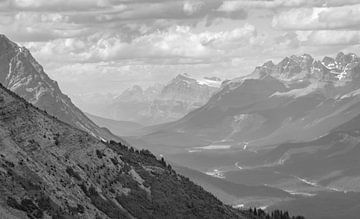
x,y
298,133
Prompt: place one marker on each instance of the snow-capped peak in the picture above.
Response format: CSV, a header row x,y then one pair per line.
x,y
189,79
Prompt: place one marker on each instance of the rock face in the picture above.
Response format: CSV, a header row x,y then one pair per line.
x,y
298,99
22,74
48,168
161,103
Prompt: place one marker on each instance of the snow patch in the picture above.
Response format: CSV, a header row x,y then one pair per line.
x,y
208,82
298,92
216,173
351,94
214,147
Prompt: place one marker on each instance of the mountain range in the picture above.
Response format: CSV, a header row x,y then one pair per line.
x,y
298,99
155,104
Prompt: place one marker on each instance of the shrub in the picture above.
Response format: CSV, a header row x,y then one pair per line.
x,y
99,154
72,173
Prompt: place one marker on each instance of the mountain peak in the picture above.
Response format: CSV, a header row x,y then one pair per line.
x,y
343,59
339,56
183,77
328,60
4,38
182,80
269,64
6,43
136,88
306,56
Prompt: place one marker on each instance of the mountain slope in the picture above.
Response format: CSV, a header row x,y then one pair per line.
x,y
330,163
22,74
49,168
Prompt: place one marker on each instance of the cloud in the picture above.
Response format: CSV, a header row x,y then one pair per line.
x,y
58,5
319,18
176,10
108,10
178,44
27,19
288,40
333,38
30,26
231,6
190,7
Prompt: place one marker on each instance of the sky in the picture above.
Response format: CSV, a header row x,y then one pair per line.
x,y
106,46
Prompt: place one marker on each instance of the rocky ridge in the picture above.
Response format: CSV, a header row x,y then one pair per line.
x,y
22,74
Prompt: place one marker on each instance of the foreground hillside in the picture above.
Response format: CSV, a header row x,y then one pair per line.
x,y
22,74
50,168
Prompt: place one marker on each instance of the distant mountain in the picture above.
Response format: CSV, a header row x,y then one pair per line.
x,y
22,74
298,99
51,169
189,90
160,103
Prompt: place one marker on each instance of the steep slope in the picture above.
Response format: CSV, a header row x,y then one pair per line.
x,y
297,99
22,74
49,168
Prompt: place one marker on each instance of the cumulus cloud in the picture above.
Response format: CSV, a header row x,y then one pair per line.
x,y
288,40
278,4
333,38
29,26
178,43
319,18
27,19
190,7
58,5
